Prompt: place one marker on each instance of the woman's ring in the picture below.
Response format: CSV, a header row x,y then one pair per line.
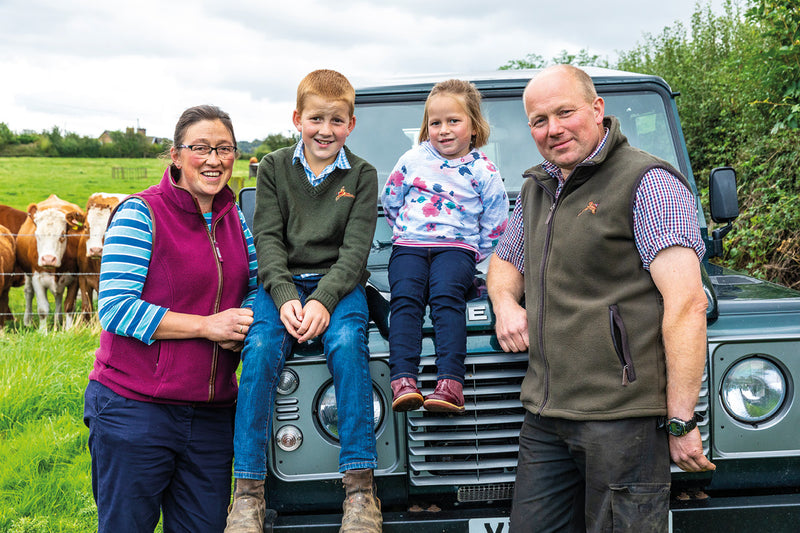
x,y
241,330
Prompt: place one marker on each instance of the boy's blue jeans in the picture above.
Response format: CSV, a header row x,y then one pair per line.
x,y
266,348
440,277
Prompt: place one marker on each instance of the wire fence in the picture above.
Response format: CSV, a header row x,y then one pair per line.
x,y
77,314
128,172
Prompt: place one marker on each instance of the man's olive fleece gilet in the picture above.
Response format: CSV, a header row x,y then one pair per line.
x,y
594,313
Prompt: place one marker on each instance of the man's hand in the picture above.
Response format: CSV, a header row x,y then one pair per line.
x,y
687,452
511,326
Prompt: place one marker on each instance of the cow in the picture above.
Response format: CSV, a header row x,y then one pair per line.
x,y
45,258
90,246
12,218
8,260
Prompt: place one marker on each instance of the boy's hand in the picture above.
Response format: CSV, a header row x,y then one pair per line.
x,y
315,320
292,317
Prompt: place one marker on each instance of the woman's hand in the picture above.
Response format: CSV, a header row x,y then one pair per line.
x,y
230,325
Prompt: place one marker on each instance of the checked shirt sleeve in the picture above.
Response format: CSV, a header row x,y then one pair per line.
x,y
664,215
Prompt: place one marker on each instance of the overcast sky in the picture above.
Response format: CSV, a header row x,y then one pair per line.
x,y
90,65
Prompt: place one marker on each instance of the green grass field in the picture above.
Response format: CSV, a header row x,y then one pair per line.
x,y
45,471
26,180
45,468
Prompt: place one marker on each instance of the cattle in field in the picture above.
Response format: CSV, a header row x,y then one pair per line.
x,y
46,259
8,260
90,246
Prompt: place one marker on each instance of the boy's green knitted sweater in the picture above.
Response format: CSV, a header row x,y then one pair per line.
x,y
327,229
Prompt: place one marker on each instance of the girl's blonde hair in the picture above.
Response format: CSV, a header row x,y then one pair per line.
x,y
470,97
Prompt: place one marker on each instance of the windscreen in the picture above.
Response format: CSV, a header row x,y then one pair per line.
x,y
384,131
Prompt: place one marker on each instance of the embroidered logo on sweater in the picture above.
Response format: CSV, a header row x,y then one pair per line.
x,y
343,194
591,207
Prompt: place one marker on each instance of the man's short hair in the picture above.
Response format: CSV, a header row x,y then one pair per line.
x,y
578,75
327,84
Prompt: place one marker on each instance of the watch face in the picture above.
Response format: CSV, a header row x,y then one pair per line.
x,y
677,428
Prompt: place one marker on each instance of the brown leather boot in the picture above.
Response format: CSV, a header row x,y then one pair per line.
x,y
405,395
362,509
447,397
246,513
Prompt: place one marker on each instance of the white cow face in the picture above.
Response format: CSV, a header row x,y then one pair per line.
x,y
97,220
51,234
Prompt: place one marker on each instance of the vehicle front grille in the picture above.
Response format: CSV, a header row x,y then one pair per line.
x,y
480,446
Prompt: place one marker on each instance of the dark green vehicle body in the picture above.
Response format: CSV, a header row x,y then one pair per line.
x,y
440,472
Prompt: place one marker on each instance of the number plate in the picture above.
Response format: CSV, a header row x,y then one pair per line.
x,y
488,525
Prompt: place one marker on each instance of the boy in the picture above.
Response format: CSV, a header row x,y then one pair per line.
x,y
316,208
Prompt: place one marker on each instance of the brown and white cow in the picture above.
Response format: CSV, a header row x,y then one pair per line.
x,y
90,246
45,257
8,260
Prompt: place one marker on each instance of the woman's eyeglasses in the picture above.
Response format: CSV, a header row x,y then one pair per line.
x,y
223,152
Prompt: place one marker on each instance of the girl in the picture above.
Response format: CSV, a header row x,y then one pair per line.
x,y
447,206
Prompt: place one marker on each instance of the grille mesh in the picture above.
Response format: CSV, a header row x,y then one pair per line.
x,y
480,446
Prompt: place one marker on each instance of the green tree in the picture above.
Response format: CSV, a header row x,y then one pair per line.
x,y
6,135
714,70
273,142
738,80
583,59
778,24
529,61
129,144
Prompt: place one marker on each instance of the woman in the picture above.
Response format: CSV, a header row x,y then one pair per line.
x,y
177,278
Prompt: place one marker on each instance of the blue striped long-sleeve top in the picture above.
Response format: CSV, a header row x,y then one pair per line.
x,y
126,256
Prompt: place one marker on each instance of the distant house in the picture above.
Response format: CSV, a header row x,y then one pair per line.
x,y
105,137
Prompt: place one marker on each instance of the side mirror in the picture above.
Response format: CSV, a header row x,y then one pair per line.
x,y
724,205
722,197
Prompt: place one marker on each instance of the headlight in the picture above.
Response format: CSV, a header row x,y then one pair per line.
x,y
328,418
288,382
753,390
289,438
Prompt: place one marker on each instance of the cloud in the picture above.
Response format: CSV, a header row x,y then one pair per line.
x,y
88,66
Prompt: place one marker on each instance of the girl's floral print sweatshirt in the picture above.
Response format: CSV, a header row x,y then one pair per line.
x,y
432,201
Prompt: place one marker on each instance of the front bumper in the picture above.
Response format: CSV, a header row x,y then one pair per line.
x,y
737,512
777,513
393,522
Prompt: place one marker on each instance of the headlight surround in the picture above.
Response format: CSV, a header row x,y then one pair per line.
x,y
753,390
327,415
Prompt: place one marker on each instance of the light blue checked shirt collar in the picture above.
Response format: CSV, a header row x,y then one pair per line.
x,y
340,162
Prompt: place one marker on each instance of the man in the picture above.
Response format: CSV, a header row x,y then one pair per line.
x,y
604,245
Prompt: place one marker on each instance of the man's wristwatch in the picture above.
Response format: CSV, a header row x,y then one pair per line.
x,y
679,428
